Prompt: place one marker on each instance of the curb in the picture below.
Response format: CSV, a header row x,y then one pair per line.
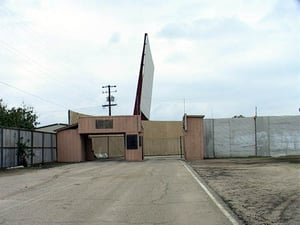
x,y
229,214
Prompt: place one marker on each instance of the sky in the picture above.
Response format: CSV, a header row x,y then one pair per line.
x,y
215,58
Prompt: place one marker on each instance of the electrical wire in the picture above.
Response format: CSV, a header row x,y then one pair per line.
x,y
33,95
40,69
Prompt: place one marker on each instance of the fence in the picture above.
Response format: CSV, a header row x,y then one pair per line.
x,y
260,136
41,144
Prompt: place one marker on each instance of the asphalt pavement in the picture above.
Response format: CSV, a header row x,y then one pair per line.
x,y
156,191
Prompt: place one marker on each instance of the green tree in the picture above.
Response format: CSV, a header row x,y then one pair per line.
x,y
21,117
3,113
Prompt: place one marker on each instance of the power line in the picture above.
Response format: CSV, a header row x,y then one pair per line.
x,y
33,95
24,25
21,27
40,70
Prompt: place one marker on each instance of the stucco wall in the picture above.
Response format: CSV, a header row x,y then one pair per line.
x,y
193,138
128,124
70,146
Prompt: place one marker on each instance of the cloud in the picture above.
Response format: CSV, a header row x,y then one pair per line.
x,y
115,38
222,57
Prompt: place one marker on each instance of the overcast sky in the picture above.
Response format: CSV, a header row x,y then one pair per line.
x,y
222,58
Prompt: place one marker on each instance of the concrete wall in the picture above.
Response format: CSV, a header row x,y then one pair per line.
x,y
229,137
278,136
243,137
162,137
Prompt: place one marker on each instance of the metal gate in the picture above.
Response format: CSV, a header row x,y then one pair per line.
x,y
163,146
108,146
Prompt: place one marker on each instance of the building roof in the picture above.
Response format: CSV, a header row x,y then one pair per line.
x,y
51,127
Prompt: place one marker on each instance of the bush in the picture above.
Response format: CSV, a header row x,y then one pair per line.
x,y
23,152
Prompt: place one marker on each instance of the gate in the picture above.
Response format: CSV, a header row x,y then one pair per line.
x,y
163,146
108,146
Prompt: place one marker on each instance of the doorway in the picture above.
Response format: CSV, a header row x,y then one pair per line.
x,y
110,146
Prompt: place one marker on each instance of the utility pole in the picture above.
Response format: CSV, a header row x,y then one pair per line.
x,y
109,98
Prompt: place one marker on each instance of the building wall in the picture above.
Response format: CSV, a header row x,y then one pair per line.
x,y
134,155
121,124
70,146
193,138
74,144
162,137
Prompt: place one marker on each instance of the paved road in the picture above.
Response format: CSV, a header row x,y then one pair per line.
x,y
109,193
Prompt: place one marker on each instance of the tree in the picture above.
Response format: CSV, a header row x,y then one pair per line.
x,y
3,113
240,116
21,117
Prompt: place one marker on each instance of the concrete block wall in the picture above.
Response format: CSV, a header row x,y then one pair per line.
x,y
277,136
243,137
229,137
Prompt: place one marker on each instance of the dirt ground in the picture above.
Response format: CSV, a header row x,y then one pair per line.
x,y
258,190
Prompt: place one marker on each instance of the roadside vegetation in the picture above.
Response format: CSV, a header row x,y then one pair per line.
x,y
18,117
